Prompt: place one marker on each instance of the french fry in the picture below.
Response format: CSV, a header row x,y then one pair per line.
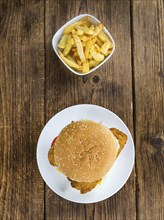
x,y
68,46
105,47
85,30
79,46
73,31
78,61
99,42
97,29
75,54
63,41
70,27
69,57
69,62
93,63
111,45
86,67
80,32
84,38
92,27
94,40
88,47
83,43
103,37
109,52
96,55
97,47
90,57
88,24
84,21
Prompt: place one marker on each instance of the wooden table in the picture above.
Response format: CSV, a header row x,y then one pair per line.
x,y
35,85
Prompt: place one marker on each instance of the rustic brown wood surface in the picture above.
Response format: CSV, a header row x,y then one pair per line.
x,y
21,108
148,45
35,85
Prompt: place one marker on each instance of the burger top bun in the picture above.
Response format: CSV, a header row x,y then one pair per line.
x,y
85,151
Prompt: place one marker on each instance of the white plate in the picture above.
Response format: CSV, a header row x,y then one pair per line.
x,y
116,177
59,33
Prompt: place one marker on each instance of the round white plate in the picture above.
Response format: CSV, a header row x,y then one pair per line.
x,y
116,177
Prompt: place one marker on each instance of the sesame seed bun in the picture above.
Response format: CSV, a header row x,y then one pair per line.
x,y
85,151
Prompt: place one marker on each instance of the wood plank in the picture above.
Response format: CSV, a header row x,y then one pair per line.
x,y
109,86
21,108
149,107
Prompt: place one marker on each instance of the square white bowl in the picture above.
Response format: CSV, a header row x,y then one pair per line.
x,y
56,38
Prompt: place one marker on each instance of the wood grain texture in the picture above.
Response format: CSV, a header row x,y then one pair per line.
x,y
109,86
149,105
21,108
35,85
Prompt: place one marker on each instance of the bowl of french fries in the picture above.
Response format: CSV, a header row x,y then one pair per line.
x,y
83,44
